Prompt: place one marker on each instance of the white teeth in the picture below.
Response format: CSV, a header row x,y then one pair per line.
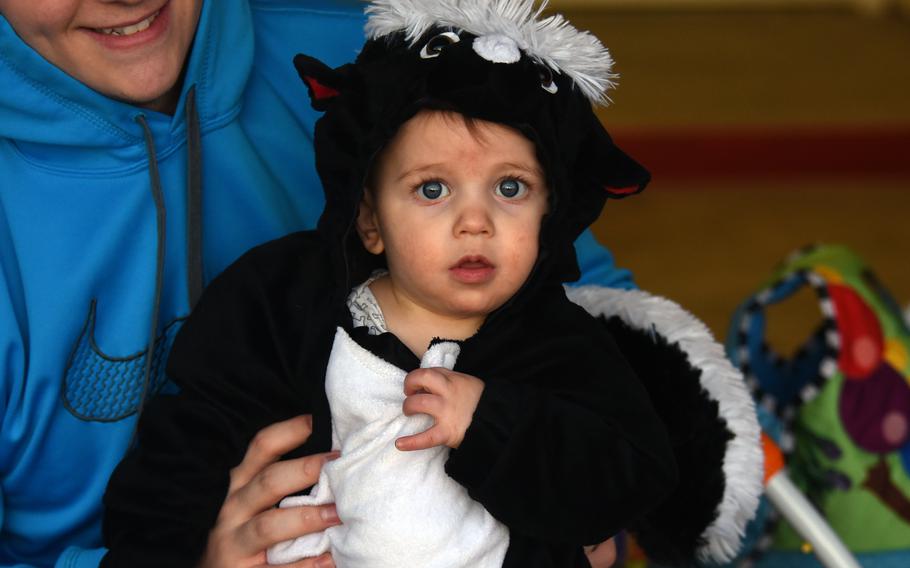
x,y
130,30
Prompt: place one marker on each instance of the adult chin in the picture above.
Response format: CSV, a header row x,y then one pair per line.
x,y
158,92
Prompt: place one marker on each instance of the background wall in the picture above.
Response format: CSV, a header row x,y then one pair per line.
x,y
766,128
863,6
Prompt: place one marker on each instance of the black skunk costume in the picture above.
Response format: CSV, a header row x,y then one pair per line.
x,y
567,446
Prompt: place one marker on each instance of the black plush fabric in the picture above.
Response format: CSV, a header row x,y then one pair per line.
x,y
564,448
671,532
241,360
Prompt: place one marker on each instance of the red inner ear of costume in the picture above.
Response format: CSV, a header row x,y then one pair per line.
x,y
320,91
622,190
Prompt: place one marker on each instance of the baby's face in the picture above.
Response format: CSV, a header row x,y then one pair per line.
x,y
457,212
132,51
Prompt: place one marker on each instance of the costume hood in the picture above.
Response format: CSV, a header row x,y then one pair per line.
x,y
496,61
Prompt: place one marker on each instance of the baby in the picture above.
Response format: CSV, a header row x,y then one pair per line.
x,y
458,212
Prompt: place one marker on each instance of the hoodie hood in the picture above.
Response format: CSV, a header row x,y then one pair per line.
x,y
491,60
37,94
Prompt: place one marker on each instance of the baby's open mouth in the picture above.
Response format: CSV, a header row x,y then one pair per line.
x,y
472,269
473,263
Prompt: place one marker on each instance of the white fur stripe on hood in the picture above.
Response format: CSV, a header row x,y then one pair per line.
x,y
552,41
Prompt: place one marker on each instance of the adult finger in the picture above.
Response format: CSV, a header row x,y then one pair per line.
x,y
422,404
421,441
429,380
321,561
278,525
602,555
247,524
273,483
268,445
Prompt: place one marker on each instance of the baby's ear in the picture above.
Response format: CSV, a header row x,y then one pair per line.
x,y
323,82
368,227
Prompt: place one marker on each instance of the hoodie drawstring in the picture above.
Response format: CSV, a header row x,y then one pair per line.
x,y
193,200
161,224
194,229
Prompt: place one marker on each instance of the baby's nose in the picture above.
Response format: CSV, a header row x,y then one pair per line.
x,y
474,220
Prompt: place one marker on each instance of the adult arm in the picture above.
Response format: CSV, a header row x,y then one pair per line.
x,y
241,360
248,523
598,266
12,371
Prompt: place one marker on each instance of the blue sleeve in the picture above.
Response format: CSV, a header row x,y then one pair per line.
x,y
74,557
597,265
14,346
12,361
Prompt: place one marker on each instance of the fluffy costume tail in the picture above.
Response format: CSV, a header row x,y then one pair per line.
x,y
711,419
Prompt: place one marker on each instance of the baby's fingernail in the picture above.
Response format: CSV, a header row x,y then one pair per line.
x,y
325,562
332,456
329,514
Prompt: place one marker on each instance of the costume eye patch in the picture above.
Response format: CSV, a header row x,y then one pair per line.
x,y
437,43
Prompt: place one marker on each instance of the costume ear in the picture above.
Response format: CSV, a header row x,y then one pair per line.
x,y
622,176
323,82
608,166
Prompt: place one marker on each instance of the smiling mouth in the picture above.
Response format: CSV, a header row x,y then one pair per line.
x,y
131,29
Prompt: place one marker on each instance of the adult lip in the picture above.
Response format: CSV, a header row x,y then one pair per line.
x,y
134,30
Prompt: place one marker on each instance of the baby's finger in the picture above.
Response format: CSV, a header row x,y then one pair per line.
x,y
422,403
429,380
421,441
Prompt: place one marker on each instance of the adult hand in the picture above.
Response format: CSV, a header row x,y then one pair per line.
x,y
601,555
248,523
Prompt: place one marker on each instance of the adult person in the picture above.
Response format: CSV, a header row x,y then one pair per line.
x,y
144,145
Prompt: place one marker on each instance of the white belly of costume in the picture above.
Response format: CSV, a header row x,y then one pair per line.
x,y
399,509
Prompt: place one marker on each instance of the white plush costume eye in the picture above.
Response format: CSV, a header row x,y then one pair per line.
x,y
436,44
546,79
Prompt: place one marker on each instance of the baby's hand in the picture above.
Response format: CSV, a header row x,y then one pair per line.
x,y
449,397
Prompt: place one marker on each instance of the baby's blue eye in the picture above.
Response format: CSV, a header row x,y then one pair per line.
x,y
432,190
511,189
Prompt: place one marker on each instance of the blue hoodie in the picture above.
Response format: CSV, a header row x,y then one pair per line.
x,y
106,237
